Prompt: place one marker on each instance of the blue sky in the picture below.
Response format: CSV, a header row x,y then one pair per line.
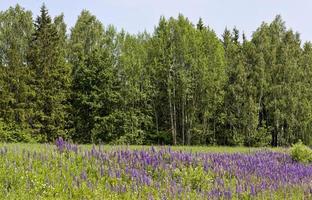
x,y
139,15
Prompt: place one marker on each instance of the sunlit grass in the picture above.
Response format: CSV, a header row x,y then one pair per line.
x,y
194,149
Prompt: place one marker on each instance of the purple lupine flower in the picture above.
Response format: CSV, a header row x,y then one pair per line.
x,y
89,184
118,175
227,194
83,175
101,171
253,191
60,144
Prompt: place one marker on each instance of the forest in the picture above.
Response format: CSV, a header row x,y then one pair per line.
x,y
180,85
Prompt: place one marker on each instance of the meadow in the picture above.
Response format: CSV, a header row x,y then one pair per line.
x,y
68,171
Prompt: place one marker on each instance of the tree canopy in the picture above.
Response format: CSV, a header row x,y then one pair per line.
x,y
180,85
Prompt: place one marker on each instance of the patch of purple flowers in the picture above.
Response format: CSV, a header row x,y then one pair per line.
x,y
246,174
63,146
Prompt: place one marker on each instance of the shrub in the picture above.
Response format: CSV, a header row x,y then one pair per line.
x,y
301,153
10,132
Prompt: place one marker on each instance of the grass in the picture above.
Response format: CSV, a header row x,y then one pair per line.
x,y
194,149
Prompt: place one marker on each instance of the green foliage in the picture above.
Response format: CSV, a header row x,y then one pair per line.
x,y
90,65
50,78
15,32
179,85
259,138
13,133
188,75
301,153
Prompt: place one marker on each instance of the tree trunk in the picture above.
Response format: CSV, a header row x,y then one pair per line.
x,y
171,118
156,121
173,131
183,122
174,116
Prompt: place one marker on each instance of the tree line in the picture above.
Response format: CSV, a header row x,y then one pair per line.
x,y
180,85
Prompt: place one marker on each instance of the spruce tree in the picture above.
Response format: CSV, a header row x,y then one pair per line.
x,y
50,81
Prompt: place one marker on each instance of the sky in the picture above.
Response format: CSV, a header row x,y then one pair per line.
x,y
138,15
